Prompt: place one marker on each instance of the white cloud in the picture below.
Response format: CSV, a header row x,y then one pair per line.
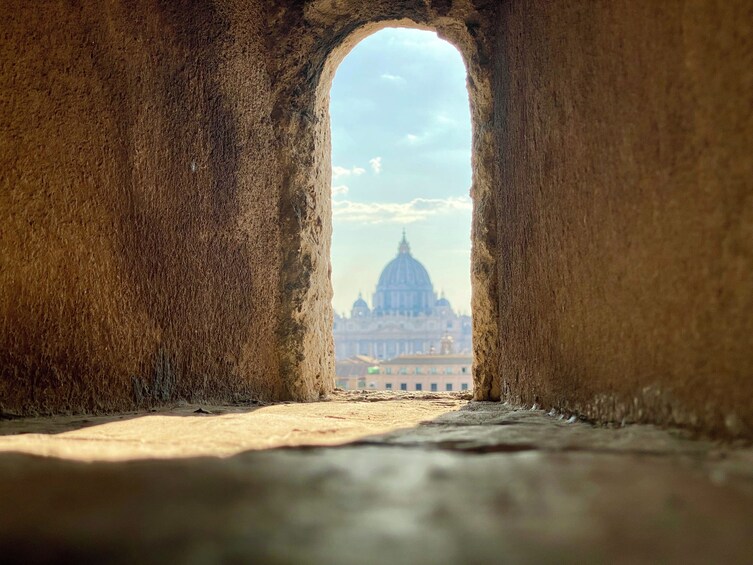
x,y
392,78
340,189
416,210
345,172
441,126
444,119
376,164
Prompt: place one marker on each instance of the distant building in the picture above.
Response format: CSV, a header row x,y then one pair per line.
x,y
352,373
407,318
442,372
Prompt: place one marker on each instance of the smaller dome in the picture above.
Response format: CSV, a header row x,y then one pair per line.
x,y
360,308
442,302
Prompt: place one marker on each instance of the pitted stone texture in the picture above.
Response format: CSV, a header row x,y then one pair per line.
x,y
575,494
624,210
138,186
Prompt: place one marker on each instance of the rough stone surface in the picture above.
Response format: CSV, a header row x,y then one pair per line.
x,y
624,210
473,483
140,248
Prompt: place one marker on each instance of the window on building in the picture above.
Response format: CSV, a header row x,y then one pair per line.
x,y
388,370
433,387
388,386
417,370
403,386
464,386
361,384
403,371
448,387
448,370
419,386
464,370
433,370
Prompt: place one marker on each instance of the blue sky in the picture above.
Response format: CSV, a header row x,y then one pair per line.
x,y
401,158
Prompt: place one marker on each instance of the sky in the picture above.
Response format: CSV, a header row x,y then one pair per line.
x,y
401,159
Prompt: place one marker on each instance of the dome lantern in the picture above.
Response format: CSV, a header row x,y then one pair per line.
x,y
404,246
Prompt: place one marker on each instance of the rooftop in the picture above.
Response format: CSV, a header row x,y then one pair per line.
x,y
429,360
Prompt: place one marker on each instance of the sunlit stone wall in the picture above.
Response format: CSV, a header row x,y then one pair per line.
x,y
139,206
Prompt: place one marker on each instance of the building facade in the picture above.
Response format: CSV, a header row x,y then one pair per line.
x,y
445,371
429,373
407,318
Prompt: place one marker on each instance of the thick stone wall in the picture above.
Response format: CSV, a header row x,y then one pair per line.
x,y
165,207
625,209
140,245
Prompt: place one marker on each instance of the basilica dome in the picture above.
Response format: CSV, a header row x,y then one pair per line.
x,y
404,286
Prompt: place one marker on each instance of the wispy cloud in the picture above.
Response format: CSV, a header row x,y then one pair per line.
x,y
440,126
416,210
392,78
444,119
376,164
345,172
339,190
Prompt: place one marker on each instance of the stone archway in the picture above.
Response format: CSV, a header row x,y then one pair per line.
x,y
326,33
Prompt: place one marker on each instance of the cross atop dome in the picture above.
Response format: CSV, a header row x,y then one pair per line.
x,y
404,246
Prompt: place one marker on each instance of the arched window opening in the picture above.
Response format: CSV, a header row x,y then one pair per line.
x,y
401,211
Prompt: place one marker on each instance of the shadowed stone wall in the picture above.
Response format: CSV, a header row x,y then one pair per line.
x,y
140,244
625,209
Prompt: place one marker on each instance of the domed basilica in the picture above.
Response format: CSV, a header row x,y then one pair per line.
x,y
406,318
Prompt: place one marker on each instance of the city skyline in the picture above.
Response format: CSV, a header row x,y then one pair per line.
x,y
401,158
406,317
